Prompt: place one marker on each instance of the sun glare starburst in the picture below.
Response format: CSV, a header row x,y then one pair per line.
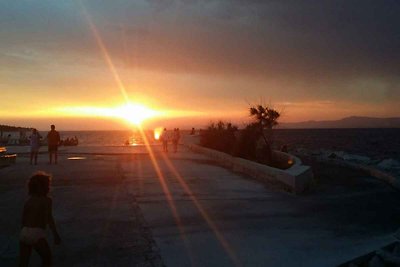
x,y
134,113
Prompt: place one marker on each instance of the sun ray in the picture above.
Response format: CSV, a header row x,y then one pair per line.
x,y
167,192
203,212
121,87
104,52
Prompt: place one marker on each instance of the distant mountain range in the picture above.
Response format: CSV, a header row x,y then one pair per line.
x,y
349,122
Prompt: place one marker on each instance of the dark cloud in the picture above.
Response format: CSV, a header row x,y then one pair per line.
x,y
305,39
253,37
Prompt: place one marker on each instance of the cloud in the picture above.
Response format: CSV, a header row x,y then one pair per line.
x,y
289,50
304,39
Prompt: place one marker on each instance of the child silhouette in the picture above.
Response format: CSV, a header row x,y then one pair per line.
x,y
36,216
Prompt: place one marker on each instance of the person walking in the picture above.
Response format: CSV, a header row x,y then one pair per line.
x,y
53,139
34,140
175,139
164,139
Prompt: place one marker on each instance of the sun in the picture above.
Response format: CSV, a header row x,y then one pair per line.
x,y
135,113
132,113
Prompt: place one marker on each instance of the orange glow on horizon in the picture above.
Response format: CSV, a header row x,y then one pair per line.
x,y
132,113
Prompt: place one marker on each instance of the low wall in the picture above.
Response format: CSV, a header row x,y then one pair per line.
x,y
381,175
6,160
297,179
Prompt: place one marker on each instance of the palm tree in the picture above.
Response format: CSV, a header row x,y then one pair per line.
x,y
265,119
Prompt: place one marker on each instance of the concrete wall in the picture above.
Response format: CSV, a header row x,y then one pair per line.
x,y
13,135
297,179
381,175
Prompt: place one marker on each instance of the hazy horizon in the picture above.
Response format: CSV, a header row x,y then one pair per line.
x,y
118,125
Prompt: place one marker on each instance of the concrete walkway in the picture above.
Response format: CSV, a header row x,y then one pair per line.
x,y
228,219
99,221
181,210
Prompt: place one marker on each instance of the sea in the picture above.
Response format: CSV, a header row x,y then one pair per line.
x,y
108,138
374,143
375,147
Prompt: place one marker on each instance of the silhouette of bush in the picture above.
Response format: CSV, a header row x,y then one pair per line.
x,y
254,142
219,136
265,118
246,145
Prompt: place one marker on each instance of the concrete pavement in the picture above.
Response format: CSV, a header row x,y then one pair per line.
x,y
348,215
118,210
99,221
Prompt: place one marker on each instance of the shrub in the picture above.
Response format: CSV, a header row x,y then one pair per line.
x,y
246,146
219,136
265,118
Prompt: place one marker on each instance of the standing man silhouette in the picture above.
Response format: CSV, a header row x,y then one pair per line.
x,y
53,139
164,139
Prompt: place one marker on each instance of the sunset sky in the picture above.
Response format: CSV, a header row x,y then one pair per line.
x,y
73,62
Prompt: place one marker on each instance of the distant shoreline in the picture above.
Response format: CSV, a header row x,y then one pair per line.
x,y
353,122
9,128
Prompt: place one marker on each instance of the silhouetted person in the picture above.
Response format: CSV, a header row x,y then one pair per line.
x,y
164,139
34,140
175,139
37,214
53,139
192,132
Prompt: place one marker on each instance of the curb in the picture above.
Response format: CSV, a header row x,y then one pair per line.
x,y
296,179
381,175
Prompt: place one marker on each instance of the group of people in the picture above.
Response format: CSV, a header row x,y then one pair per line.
x,y
37,212
53,140
166,137
73,141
